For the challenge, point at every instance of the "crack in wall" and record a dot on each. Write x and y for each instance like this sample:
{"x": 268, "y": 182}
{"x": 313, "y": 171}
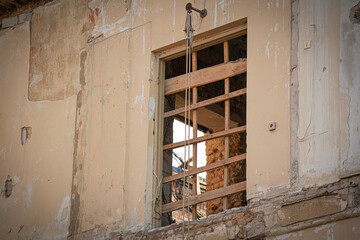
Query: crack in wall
{"x": 78, "y": 157}
{"x": 344, "y": 163}
{"x": 294, "y": 95}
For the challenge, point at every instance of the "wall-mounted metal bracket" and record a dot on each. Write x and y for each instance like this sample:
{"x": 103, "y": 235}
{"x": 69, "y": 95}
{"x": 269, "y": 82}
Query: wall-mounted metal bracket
{"x": 189, "y": 7}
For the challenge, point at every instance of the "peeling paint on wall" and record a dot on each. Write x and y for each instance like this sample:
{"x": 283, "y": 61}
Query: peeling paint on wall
{"x": 54, "y": 58}
{"x": 28, "y": 194}
{"x": 151, "y": 107}
{"x": 41, "y": 169}
{"x": 91, "y": 68}
{"x": 349, "y": 90}
{"x": 62, "y": 215}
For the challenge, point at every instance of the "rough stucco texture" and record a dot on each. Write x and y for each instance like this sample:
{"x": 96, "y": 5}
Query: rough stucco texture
{"x": 107, "y": 139}
{"x": 318, "y": 134}
{"x": 349, "y": 89}
{"x": 38, "y": 207}
{"x": 345, "y": 229}
{"x": 58, "y": 32}
{"x": 121, "y": 82}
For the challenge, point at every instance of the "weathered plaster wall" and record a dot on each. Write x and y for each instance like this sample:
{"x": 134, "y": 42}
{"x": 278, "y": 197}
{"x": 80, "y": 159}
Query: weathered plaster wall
{"x": 318, "y": 133}
{"x": 101, "y": 78}
{"x": 328, "y": 104}
{"x": 345, "y": 229}
{"x": 41, "y": 169}
{"x": 149, "y": 25}
{"x": 86, "y": 81}
{"x": 106, "y": 144}
{"x": 268, "y": 80}
{"x": 349, "y": 90}
{"x": 327, "y": 212}
{"x": 58, "y": 31}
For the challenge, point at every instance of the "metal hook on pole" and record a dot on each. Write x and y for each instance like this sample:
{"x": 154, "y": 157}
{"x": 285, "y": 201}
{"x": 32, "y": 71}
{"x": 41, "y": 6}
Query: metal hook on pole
{"x": 203, "y": 12}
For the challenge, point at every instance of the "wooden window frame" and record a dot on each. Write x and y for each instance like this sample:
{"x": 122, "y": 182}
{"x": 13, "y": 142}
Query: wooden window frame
{"x": 176, "y": 84}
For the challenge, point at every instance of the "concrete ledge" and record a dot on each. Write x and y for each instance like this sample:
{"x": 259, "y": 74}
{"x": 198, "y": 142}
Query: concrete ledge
{"x": 269, "y": 218}
{"x": 311, "y": 209}
{"x": 24, "y": 17}
{"x": 9, "y": 22}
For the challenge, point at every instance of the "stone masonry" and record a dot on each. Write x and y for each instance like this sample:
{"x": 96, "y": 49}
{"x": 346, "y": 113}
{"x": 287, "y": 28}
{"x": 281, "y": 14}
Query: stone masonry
{"x": 269, "y": 217}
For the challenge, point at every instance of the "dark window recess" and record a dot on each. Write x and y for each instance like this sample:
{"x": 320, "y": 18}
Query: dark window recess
{"x": 211, "y": 119}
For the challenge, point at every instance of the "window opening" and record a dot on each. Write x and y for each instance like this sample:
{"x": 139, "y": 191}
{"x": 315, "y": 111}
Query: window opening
{"x": 215, "y": 172}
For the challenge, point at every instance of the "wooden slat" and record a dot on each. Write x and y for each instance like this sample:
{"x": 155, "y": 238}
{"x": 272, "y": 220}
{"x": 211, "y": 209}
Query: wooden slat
{"x": 195, "y": 128}
{"x": 227, "y": 123}
{"x": 214, "y": 165}
{"x": 205, "y": 138}
{"x": 205, "y": 76}
{"x": 218, "y": 193}
{"x": 204, "y": 40}
{"x": 206, "y": 102}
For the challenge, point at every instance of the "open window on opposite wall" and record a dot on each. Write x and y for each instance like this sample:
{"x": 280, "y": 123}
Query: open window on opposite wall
{"x": 211, "y": 176}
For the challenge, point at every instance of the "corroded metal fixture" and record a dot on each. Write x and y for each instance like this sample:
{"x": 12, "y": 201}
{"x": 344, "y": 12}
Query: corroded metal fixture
{"x": 189, "y": 7}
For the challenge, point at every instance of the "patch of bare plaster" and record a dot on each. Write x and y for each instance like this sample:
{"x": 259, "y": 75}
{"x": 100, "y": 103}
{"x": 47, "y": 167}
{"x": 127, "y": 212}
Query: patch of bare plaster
{"x": 108, "y": 17}
{"x": 55, "y": 45}
{"x": 349, "y": 89}
{"x": 294, "y": 95}
{"x": 62, "y": 215}
{"x": 83, "y": 56}
{"x": 28, "y": 194}
{"x": 133, "y": 218}
{"x": 78, "y": 154}
{"x": 355, "y": 14}
{"x": 151, "y": 107}
{"x": 345, "y": 129}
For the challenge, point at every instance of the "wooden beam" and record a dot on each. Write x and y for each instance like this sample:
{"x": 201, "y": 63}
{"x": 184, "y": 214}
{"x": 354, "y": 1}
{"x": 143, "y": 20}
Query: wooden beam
{"x": 211, "y": 166}
{"x": 204, "y": 40}
{"x": 204, "y": 197}
{"x": 206, "y": 137}
{"x": 205, "y": 76}
{"x": 195, "y": 128}
{"x": 227, "y": 123}
{"x": 207, "y": 102}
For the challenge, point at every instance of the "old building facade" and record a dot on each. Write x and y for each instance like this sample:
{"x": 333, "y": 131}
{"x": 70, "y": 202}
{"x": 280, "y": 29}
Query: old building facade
{"x": 82, "y": 107}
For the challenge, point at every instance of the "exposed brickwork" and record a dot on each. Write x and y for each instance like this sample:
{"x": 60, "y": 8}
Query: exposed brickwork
{"x": 215, "y": 178}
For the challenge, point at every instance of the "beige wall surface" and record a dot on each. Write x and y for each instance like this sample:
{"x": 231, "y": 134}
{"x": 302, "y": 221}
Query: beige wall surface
{"x": 141, "y": 27}
{"x": 349, "y": 90}
{"x": 318, "y": 134}
{"x": 58, "y": 32}
{"x": 39, "y": 205}
{"x": 345, "y": 229}
{"x": 268, "y": 79}
{"x": 328, "y": 92}
{"x": 107, "y": 130}
{"x": 86, "y": 81}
